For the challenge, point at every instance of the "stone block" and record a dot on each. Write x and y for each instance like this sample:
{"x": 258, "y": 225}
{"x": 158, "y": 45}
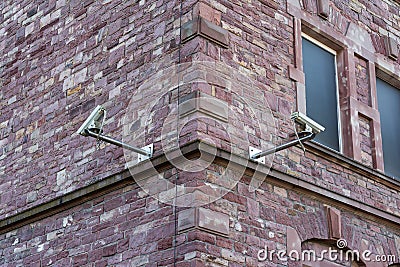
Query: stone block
{"x": 74, "y": 90}
{"x": 201, "y": 27}
{"x": 29, "y": 29}
{"x": 213, "y": 221}
{"x": 360, "y": 36}
{"x": 323, "y": 8}
{"x": 205, "y": 219}
{"x": 392, "y": 48}
{"x": 293, "y": 242}
{"x": 208, "y": 13}
{"x": 214, "y": 33}
{"x": 32, "y": 12}
{"x": 187, "y": 219}
{"x": 80, "y": 76}
{"x": 334, "y": 222}
{"x": 45, "y": 20}
{"x": 296, "y": 75}
{"x": 203, "y": 103}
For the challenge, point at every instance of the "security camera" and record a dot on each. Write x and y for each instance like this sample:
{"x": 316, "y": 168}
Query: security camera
{"x": 311, "y": 128}
{"x": 307, "y": 123}
{"x": 93, "y": 122}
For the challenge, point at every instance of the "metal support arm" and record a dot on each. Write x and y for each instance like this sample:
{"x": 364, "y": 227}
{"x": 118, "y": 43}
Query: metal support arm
{"x": 309, "y": 136}
{"x": 119, "y": 143}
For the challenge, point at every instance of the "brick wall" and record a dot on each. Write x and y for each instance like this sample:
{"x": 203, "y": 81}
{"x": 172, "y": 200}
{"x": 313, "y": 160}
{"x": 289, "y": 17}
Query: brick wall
{"x": 119, "y": 228}
{"x": 128, "y": 228}
{"x": 59, "y": 59}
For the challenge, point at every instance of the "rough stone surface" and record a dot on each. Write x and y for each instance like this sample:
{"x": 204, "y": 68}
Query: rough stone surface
{"x": 365, "y": 141}
{"x": 59, "y": 59}
{"x": 362, "y": 80}
{"x": 137, "y": 231}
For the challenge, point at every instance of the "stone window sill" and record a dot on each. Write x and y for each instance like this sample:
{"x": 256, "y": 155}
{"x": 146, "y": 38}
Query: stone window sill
{"x": 349, "y": 163}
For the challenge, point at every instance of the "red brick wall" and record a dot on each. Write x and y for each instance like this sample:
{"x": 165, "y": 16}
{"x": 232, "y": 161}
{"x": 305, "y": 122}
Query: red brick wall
{"x": 59, "y": 59}
{"x": 127, "y": 228}
{"x": 362, "y": 81}
{"x": 119, "y": 228}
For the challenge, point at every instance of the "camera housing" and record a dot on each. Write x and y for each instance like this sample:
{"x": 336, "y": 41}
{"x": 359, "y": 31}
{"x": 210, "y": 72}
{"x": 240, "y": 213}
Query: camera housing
{"x": 93, "y": 122}
{"x": 308, "y": 124}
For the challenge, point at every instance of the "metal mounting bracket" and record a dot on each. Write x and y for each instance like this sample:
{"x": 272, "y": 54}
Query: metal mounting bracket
{"x": 149, "y": 149}
{"x": 253, "y": 151}
{"x": 144, "y": 153}
{"x": 256, "y": 154}
{"x": 93, "y": 127}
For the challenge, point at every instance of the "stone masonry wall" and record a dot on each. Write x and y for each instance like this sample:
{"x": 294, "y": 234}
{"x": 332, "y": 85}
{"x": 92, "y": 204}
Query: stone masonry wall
{"x": 75, "y": 55}
{"x": 128, "y": 228}
{"x": 59, "y": 59}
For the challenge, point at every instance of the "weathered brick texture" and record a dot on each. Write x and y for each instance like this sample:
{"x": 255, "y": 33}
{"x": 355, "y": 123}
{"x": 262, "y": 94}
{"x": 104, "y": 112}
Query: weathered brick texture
{"x": 365, "y": 141}
{"x": 73, "y": 56}
{"x": 362, "y": 81}
{"x": 126, "y": 228}
{"x": 59, "y": 59}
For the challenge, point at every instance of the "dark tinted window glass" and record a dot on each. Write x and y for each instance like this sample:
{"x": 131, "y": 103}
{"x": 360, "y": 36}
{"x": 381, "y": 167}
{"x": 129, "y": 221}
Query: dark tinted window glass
{"x": 389, "y": 108}
{"x": 321, "y": 92}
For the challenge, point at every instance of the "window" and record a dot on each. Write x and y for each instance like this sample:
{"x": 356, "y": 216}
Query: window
{"x": 319, "y": 65}
{"x": 389, "y": 109}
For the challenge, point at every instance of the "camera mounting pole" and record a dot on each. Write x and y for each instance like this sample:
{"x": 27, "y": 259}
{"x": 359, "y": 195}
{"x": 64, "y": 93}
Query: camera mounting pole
{"x": 256, "y": 155}
{"x": 93, "y": 127}
{"x": 145, "y": 151}
{"x": 311, "y": 128}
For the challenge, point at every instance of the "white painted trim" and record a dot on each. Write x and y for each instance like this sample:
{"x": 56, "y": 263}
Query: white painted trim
{"x": 333, "y": 52}
{"x": 327, "y": 48}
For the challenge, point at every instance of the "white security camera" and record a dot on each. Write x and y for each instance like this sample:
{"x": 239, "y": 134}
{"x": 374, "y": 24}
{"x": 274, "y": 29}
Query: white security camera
{"x": 310, "y": 129}
{"x": 93, "y": 125}
{"x": 93, "y": 122}
{"x": 308, "y": 124}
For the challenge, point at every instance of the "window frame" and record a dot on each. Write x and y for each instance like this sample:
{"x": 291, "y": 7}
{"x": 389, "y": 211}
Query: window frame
{"x": 350, "y": 107}
{"x": 338, "y": 110}
{"x": 395, "y": 83}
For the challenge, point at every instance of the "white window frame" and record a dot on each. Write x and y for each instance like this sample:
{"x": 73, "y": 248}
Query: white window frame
{"x": 339, "y": 126}
{"x": 396, "y": 87}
